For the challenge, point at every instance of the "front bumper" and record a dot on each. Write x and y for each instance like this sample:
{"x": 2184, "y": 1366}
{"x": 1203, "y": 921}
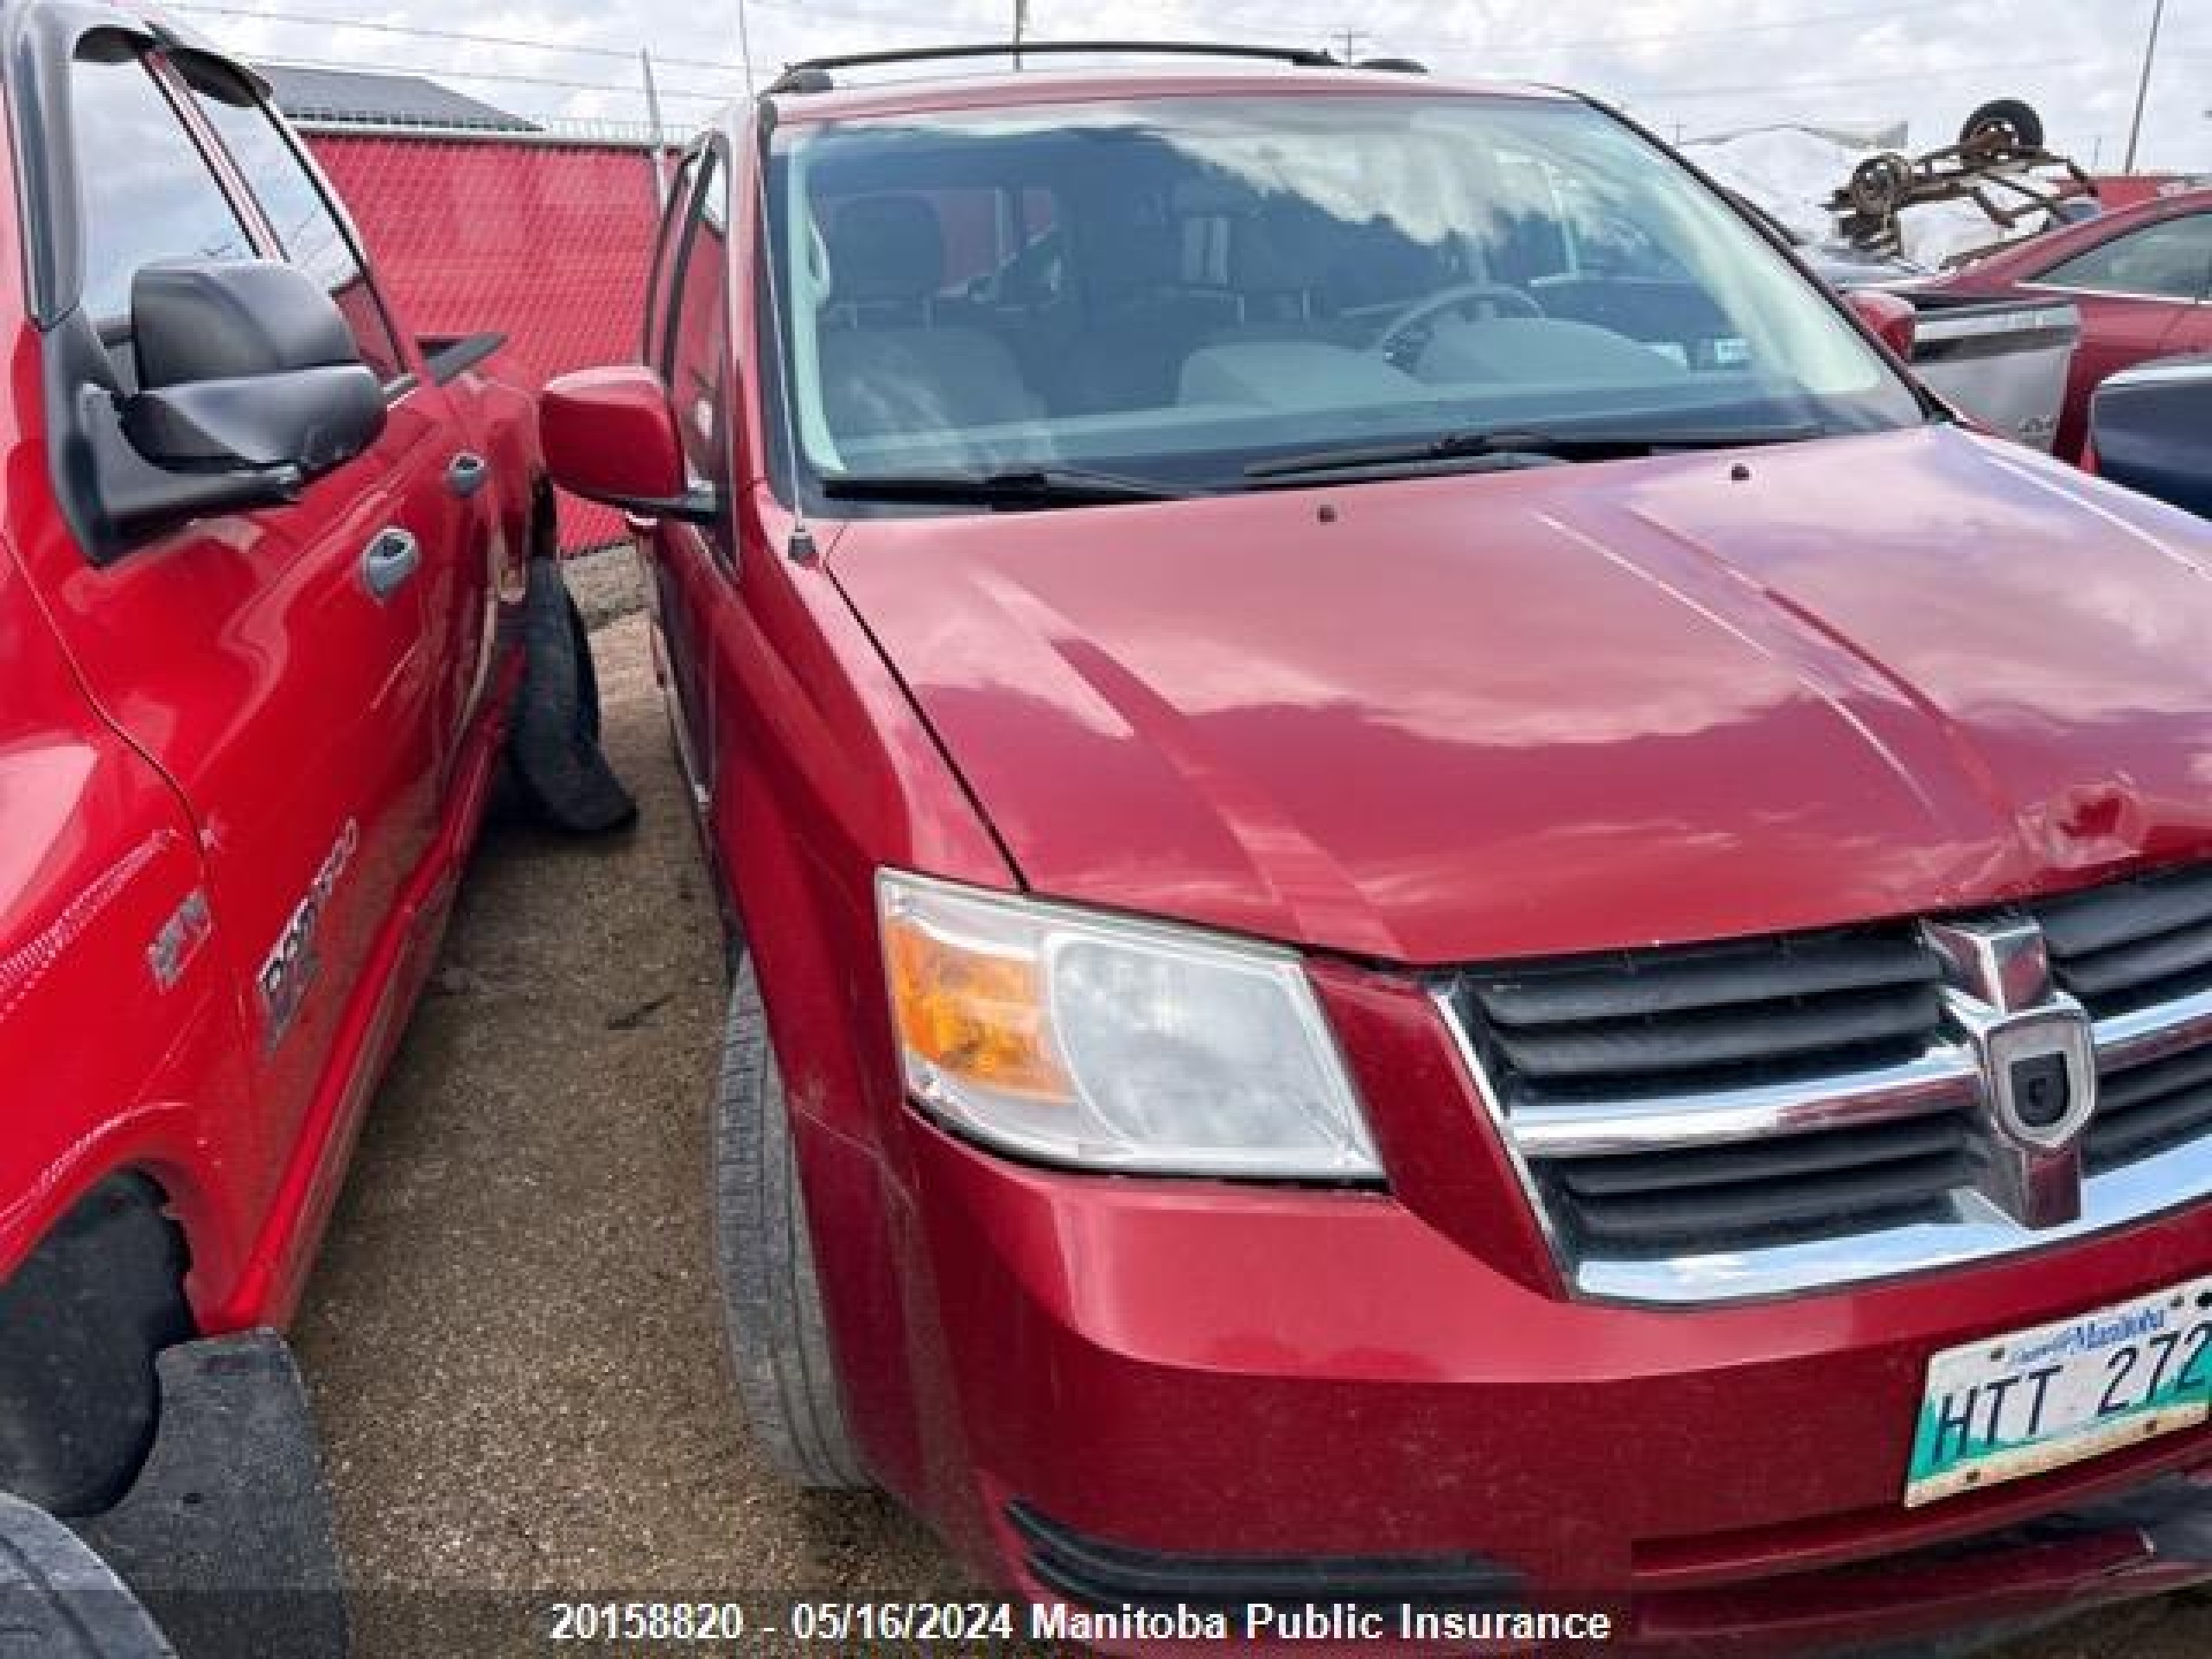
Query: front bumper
{"x": 1182, "y": 1371}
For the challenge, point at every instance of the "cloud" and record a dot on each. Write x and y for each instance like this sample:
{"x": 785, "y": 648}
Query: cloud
{"x": 1685, "y": 66}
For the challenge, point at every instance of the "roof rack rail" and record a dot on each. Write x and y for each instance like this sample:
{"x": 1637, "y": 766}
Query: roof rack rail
{"x": 813, "y": 74}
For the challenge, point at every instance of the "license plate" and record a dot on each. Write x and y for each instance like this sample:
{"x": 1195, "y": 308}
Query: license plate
{"x": 2016, "y": 1405}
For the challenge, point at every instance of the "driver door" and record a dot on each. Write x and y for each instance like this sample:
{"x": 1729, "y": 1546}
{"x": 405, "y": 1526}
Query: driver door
{"x": 269, "y": 663}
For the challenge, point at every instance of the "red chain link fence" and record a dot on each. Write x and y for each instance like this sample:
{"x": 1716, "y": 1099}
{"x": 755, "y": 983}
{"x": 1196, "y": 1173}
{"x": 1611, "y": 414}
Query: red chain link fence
{"x": 546, "y": 238}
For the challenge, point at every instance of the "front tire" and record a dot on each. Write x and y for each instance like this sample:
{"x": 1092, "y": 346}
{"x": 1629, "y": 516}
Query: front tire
{"x": 58, "y": 1600}
{"x": 772, "y": 1301}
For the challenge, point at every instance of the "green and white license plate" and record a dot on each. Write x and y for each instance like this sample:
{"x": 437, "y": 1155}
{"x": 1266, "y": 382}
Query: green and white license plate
{"x": 2016, "y": 1405}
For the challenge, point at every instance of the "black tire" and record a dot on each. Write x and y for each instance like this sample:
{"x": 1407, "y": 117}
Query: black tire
{"x": 58, "y": 1600}
{"x": 558, "y": 765}
{"x": 772, "y": 1302}
{"x": 2002, "y": 126}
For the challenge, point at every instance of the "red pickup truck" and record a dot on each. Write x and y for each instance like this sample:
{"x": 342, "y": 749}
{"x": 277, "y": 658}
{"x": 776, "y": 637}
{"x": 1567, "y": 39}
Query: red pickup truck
{"x": 1456, "y": 927}
{"x": 278, "y": 593}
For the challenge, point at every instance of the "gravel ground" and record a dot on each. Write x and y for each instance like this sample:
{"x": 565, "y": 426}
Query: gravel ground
{"x": 512, "y": 1340}
{"x": 606, "y": 585}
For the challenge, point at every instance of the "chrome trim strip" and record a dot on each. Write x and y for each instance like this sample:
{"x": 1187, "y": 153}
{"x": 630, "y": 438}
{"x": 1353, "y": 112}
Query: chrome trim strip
{"x": 2152, "y": 1033}
{"x": 2135, "y": 294}
{"x": 1942, "y": 1079}
{"x": 2050, "y": 317}
{"x": 1976, "y": 1231}
{"x": 2006, "y": 967}
{"x": 1478, "y": 1080}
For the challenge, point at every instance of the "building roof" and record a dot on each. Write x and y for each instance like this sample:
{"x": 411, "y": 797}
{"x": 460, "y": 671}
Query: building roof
{"x": 371, "y": 98}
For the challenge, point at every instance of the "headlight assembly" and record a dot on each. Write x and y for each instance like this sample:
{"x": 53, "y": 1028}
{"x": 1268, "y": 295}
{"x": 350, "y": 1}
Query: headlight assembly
{"x": 1082, "y": 1038}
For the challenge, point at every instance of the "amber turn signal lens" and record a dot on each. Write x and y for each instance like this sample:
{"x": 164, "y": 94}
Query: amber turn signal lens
{"x": 975, "y": 1014}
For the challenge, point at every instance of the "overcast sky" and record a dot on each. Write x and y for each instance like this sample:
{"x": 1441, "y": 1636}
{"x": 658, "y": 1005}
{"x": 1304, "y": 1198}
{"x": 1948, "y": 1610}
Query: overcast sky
{"x": 1693, "y": 67}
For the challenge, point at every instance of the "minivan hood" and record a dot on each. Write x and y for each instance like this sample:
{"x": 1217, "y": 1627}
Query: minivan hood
{"x": 1571, "y": 708}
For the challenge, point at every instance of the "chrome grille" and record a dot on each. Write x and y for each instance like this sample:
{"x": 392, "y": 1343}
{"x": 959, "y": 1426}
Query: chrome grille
{"x": 2138, "y": 944}
{"x": 2142, "y": 1109}
{"x": 1763, "y": 1191}
{"x": 1697, "y": 1123}
{"x": 1585, "y": 1052}
{"x": 1664, "y": 1020}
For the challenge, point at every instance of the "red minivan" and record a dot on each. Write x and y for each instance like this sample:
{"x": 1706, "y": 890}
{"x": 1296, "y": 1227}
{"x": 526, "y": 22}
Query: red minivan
{"x": 1447, "y": 924}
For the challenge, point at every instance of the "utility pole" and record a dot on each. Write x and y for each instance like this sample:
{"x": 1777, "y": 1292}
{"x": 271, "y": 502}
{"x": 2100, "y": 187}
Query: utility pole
{"x": 1020, "y": 27}
{"x": 2143, "y": 86}
{"x": 745, "y": 45}
{"x": 1352, "y": 38}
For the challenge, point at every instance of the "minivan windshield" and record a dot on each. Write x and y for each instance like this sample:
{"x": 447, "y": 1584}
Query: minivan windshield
{"x": 1191, "y": 292}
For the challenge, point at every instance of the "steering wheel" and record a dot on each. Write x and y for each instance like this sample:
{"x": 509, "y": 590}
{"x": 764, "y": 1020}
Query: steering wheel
{"x": 1407, "y": 330}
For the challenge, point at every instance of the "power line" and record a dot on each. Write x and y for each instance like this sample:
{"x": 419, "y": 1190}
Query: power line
{"x": 1807, "y": 20}
{"x": 627, "y": 88}
{"x": 1672, "y": 94}
{"x": 848, "y": 15}
{"x": 1458, "y": 46}
{"x": 1750, "y": 89}
{"x": 212, "y": 7}
{"x": 421, "y": 31}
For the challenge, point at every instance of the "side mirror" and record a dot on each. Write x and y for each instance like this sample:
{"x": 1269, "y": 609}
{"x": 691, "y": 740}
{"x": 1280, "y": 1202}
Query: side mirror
{"x": 1891, "y": 317}
{"x": 246, "y": 369}
{"x": 2151, "y": 429}
{"x": 609, "y": 435}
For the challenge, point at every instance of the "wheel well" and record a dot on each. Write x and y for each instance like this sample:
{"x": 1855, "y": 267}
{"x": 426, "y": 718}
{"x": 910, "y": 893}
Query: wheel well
{"x": 81, "y": 1322}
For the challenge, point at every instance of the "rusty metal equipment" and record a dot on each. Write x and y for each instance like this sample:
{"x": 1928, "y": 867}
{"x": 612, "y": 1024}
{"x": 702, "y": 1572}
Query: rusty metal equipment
{"x": 2000, "y": 164}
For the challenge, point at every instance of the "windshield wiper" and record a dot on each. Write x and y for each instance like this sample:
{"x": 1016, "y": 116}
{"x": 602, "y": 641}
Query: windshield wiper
{"x": 1022, "y": 487}
{"x": 1509, "y": 445}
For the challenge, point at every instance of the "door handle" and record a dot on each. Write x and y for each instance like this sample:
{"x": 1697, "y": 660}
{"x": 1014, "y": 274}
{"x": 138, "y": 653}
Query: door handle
{"x": 388, "y": 560}
{"x": 466, "y": 473}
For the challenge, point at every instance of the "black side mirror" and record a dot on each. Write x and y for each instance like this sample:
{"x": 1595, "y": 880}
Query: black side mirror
{"x": 247, "y": 368}
{"x": 2151, "y": 429}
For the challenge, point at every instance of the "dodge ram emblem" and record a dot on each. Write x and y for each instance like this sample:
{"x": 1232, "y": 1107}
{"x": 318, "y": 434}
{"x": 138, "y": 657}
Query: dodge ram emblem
{"x": 291, "y": 963}
{"x": 2036, "y": 1051}
{"x": 2040, "y": 1074}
